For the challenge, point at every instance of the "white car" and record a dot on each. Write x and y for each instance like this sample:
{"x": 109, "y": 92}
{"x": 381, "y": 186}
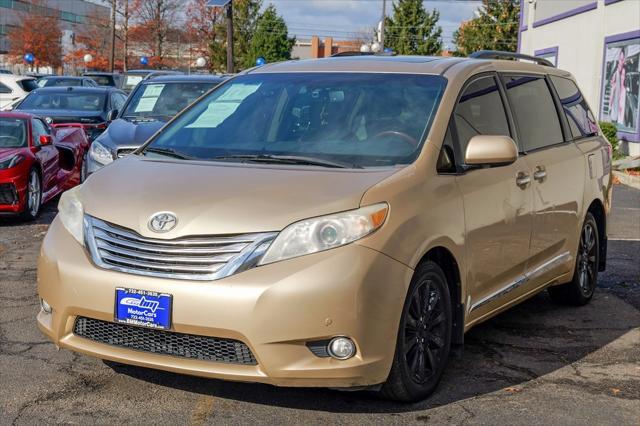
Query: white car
{"x": 14, "y": 88}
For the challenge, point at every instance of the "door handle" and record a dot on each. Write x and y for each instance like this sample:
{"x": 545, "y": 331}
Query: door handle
{"x": 540, "y": 174}
{"x": 523, "y": 179}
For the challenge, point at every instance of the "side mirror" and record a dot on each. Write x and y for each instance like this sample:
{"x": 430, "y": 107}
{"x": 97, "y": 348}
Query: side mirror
{"x": 486, "y": 150}
{"x": 111, "y": 115}
{"x": 45, "y": 140}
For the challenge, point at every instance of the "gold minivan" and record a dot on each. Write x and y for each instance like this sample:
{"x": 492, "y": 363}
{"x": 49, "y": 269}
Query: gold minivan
{"x": 338, "y": 222}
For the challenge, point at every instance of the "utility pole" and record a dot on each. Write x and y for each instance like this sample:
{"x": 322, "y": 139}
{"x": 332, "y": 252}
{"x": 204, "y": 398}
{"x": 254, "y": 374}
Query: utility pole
{"x": 230, "y": 38}
{"x": 112, "y": 56}
{"x": 384, "y": 18}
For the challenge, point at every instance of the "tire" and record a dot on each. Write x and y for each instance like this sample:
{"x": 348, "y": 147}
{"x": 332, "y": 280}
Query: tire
{"x": 580, "y": 290}
{"x": 424, "y": 337}
{"x": 34, "y": 196}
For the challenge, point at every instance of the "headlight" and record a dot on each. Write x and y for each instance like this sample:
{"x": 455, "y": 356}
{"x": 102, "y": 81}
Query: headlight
{"x": 325, "y": 232}
{"x": 71, "y": 214}
{"x": 10, "y": 162}
{"x": 100, "y": 154}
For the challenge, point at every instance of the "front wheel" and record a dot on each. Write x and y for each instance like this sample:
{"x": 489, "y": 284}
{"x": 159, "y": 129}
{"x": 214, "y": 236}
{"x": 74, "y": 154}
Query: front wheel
{"x": 34, "y": 196}
{"x": 424, "y": 337}
{"x": 580, "y": 290}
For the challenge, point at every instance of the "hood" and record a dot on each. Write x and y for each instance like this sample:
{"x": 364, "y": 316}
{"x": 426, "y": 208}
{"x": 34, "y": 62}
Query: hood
{"x": 129, "y": 133}
{"x": 67, "y": 116}
{"x": 218, "y": 198}
{"x": 10, "y": 152}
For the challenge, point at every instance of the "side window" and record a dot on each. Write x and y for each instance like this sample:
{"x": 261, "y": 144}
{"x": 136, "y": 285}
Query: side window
{"x": 580, "y": 118}
{"x": 534, "y": 111}
{"x": 39, "y": 129}
{"x": 4, "y": 89}
{"x": 480, "y": 111}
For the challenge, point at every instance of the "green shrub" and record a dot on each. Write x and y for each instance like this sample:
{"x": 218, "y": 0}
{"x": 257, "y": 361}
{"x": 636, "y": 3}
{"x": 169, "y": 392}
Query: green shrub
{"x": 610, "y": 131}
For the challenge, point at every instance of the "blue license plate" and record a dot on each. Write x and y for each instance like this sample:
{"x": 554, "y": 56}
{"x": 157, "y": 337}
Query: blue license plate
{"x": 144, "y": 308}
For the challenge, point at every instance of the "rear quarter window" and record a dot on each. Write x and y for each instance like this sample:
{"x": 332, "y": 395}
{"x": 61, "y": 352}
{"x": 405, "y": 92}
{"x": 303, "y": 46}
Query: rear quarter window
{"x": 581, "y": 121}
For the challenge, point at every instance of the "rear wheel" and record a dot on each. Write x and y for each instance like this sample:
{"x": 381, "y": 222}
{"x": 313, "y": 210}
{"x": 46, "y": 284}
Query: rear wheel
{"x": 34, "y": 196}
{"x": 424, "y": 337}
{"x": 585, "y": 278}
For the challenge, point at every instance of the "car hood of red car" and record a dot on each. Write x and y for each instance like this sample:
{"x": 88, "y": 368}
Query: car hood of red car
{"x": 10, "y": 152}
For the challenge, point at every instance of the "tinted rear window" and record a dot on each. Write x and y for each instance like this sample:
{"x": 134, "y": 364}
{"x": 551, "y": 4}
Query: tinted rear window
{"x": 64, "y": 101}
{"x": 102, "y": 80}
{"x": 581, "y": 121}
{"x": 28, "y": 85}
{"x": 51, "y": 82}
{"x": 534, "y": 111}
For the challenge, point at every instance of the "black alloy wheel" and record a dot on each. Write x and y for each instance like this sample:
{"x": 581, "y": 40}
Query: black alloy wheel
{"x": 580, "y": 290}
{"x": 424, "y": 337}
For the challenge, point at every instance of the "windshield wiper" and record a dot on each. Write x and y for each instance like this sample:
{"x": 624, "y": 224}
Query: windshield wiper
{"x": 169, "y": 152}
{"x": 288, "y": 159}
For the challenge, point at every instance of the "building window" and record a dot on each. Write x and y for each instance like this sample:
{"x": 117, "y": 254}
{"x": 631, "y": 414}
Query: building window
{"x": 621, "y": 83}
{"x": 550, "y": 54}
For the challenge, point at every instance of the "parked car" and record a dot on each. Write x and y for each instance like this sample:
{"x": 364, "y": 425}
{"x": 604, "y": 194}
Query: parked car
{"x": 148, "y": 108}
{"x": 106, "y": 78}
{"x": 65, "y": 80}
{"x": 92, "y": 107}
{"x": 37, "y": 162}
{"x": 14, "y": 87}
{"x": 338, "y": 222}
{"x": 4, "y": 71}
{"x": 133, "y": 77}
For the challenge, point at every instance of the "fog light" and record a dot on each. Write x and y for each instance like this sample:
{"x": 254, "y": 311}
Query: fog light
{"x": 341, "y": 348}
{"x": 45, "y": 306}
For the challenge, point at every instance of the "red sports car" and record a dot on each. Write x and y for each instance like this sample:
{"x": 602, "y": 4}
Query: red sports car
{"x": 37, "y": 162}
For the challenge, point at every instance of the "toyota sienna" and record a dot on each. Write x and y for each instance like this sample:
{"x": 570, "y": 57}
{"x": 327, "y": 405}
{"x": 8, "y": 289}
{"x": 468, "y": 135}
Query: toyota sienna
{"x": 337, "y": 223}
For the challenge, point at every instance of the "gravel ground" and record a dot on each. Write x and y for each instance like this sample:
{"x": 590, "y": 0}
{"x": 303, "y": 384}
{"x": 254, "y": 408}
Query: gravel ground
{"x": 537, "y": 363}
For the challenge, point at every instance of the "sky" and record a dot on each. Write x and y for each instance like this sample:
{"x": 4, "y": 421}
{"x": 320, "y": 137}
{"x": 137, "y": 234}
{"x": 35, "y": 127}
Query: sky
{"x": 351, "y": 18}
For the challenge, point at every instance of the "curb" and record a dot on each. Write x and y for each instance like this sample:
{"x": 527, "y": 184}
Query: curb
{"x": 625, "y": 179}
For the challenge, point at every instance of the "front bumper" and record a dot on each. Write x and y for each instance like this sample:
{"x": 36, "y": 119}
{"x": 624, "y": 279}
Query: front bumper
{"x": 13, "y": 185}
{"x": 274, "y": 309}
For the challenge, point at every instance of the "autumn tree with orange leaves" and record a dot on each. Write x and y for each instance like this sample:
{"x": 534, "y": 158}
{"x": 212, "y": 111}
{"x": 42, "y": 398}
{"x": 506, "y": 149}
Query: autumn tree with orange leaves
{"x": 39, "y": 35}
{"x": 154, "y": 25}
{"x": 203, "y": 24}
{"x": 94, "y": 40}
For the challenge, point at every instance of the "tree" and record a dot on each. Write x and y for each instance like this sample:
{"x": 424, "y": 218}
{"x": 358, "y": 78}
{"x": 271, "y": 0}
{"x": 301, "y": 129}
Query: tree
{"x": 245, "y": 16}
{"x": 39, "y": 35}
{"x": 94, "y": 39}
{"x": 495, "y": 28}
{"x": 412, "y": 30}
{"x": 270, "y": 40}
{"x": 203, "y": 25}
{"x": 154, "y": 19}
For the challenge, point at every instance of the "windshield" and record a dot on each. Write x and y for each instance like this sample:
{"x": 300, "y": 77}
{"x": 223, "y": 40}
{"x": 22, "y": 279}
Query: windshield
{"x": 358, "y": 119}
{"x": 132, "y": 80}
{"x": 164, "y": 99}
{"x": 13, "y": 133}
{"x": 93, "y": 102}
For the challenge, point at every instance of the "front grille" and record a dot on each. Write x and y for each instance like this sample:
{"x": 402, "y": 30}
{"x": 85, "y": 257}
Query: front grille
{"x": 190, "y": 258}
{"x": 165, "y": 342}
{"x": 124, "y": 152}
{"x": 8, "y": 194}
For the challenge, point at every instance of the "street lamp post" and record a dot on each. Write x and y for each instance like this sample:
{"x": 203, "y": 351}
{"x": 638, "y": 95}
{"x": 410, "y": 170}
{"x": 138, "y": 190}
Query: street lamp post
{"x": 229, "y": 5}
{"x": 87, "y": 58}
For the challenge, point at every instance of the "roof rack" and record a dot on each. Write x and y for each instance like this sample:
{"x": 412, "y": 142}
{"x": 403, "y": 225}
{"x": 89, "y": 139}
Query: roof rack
{"x": 358, "y": 53}
{"x": 497, "y": 54}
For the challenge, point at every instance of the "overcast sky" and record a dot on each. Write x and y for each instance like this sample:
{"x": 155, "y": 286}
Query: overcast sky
{"x": 348, "y": 18}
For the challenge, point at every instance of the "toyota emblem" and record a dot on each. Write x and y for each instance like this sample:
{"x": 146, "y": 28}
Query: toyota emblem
{"x": 163, "y": 222}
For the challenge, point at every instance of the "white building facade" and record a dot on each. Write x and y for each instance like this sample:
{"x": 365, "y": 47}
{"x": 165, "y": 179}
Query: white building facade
{"x": 598, "y": 41}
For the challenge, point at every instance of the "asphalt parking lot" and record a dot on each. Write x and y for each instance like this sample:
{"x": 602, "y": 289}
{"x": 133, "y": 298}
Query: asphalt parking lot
{"x": 537, "y": 363}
